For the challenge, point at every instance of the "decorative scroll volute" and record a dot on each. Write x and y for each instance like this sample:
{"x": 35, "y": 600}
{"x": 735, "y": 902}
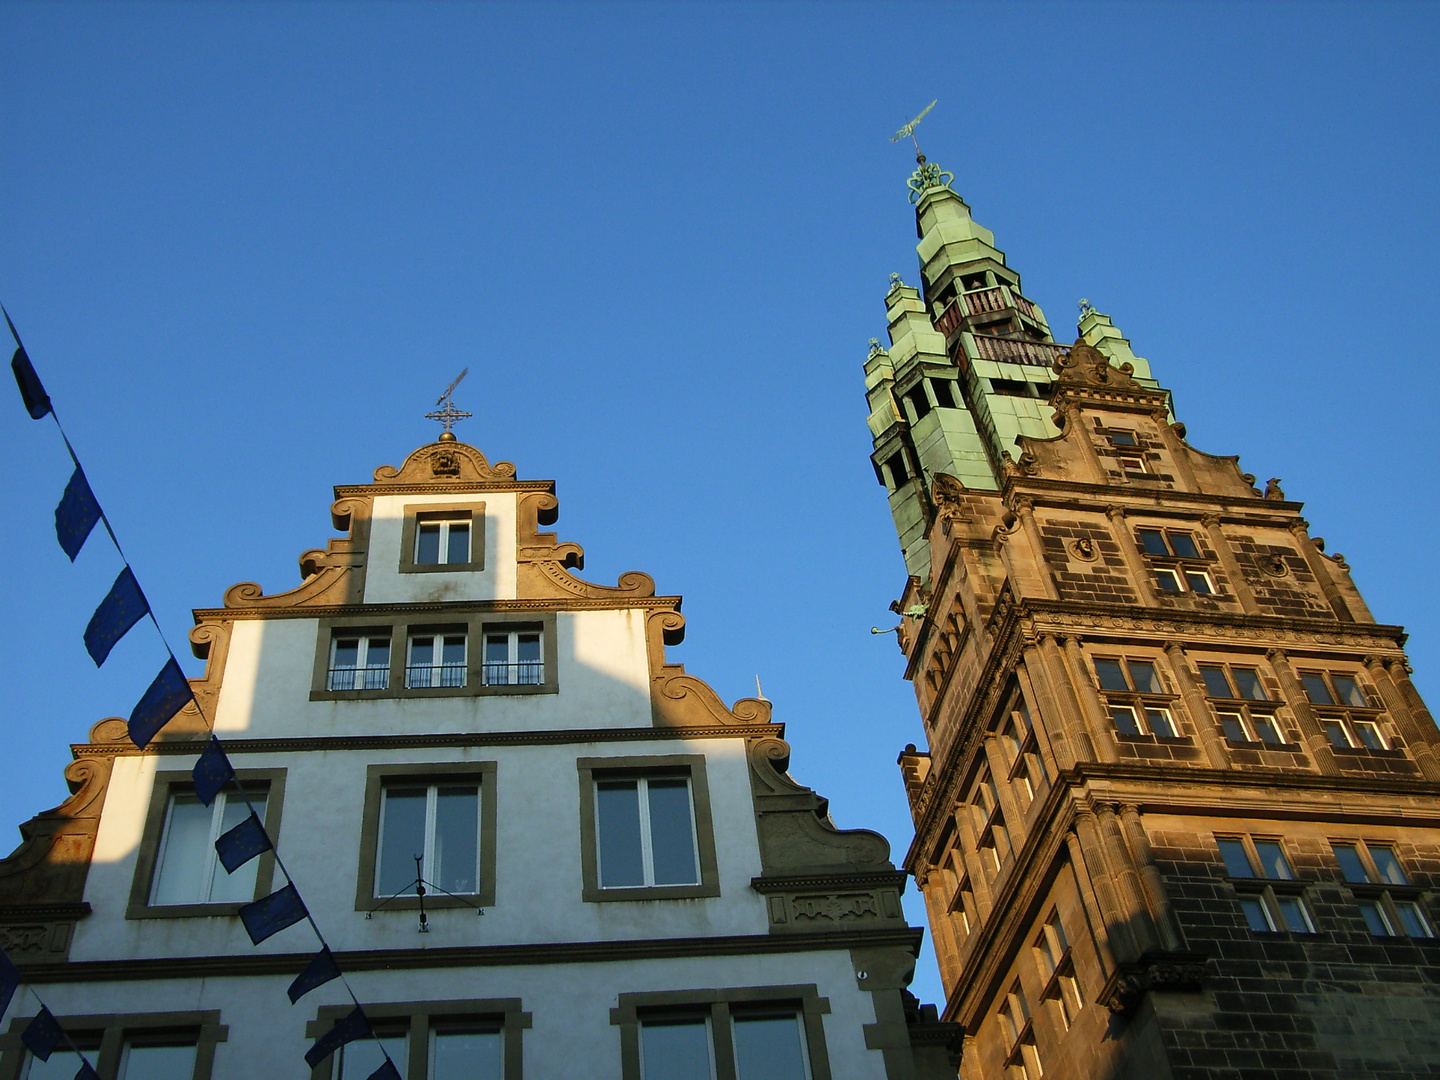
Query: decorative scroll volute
{"x": 53, "y": 859}
{"x": 542, "y": 570}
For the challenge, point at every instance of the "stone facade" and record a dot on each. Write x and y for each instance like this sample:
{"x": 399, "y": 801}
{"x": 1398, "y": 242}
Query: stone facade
{"x": 1179, "y": 811}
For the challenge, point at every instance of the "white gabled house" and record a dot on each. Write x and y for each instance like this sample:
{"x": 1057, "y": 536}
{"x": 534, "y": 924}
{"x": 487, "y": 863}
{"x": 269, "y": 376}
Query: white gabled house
{"x": 621, "y": 879}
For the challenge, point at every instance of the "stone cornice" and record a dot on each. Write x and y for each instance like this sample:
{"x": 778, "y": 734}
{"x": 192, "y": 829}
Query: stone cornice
{"x": 1143, "y": 498}
{"x": 441, "y": 487}
{"x": 889, "y": 878}
{"x": 566, "y": 952}
{"x": 335, "y": 611}
{"x": 564, "y": 736}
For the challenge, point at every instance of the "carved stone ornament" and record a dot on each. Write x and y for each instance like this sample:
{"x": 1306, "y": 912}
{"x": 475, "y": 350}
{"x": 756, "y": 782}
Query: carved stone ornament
{"x": 1274, "y": 565}
{"x": 1272, "y": 489}
{"x": 444, "y": 461}
{"x": 1164, "y": 971}
{"x": 1086, "y": 365}
{"x": 946, "y": 490}
{"x": 1084, "y": 549}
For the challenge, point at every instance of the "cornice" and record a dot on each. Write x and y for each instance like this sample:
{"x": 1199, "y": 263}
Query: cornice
{"x": 440, "y": 487}
{"x": 567, "y": 952}
{"x": 1143, "y": 496}
{"x": 456, "y": 606}
{"x": 864, "y": 879}
{"x": 302, "y": 744}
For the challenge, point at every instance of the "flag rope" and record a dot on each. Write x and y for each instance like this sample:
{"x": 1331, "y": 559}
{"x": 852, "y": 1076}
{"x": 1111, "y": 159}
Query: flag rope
{"x": 33, "y": 393}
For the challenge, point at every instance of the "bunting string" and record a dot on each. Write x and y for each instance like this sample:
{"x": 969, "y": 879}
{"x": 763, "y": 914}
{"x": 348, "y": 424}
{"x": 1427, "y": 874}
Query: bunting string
{"x": 118, "y": 613}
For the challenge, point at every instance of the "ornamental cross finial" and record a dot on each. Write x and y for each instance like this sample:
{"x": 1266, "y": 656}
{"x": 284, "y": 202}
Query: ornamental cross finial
{"x": 927, "y": 175}
{"x": 447, "y": 413}
{"x": 909, "y": 131}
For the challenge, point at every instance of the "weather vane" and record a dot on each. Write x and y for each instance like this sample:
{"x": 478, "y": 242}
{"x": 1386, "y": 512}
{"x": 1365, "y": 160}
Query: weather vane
{"x": 447, "y": 413}
{"x": 909, "y": 130}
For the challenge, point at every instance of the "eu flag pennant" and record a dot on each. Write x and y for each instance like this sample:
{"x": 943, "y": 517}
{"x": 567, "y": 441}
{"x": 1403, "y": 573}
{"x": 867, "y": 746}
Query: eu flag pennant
{"x": 37, "y": 402}
{"x": 386, "y": 1071}
{"x": 76, "y": 515}
{"x": 168, "y": 694}
{"x": 271, "y": 914}
{"x": 212, "y": 772}
{"x": 352, "y": 1027}
{"x": 319, "y": 971}
{"x": 85, "y": 1072}
{"x": 118, "y": 612}
{"x": 10, "y": 981}
{"x": 41, "y": 1034}
{"x": 242, "y": 843}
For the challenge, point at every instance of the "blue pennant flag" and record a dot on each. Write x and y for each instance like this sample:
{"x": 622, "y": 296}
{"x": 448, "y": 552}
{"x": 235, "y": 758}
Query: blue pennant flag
{"x": 242, "y": 843}
{"x": 352, "y": 1027}
{"x": 121, "y": 609}
{"x": 168, "y": 694}
{"x": 212, "y": 772}
{"x": 85, "y": 1072}
{"x": 386, "y": 1071}
{"x": 271, "y": 914}
{"x": 37, "y": 402}
{"x": 10, "y": 981}
{"x": 41, "y": 1034}
{"x": 77, "y": 514}
{"x": 320, "y": 970}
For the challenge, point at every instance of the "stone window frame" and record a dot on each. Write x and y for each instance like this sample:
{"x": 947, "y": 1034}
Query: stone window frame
{"x": 402, "y": 627}
{"x": 716, "y": 1004}
{"x": 693, "y": 767}
{"x": 1385, "y": 895}
{"x": 506, "y": 1013}
{"x": 1140, "y": 700}
{"x": 1062, "y": 983}
{"x": 1178, "y": 565}
{"x": 1268, "y": 889}
{"x": 167, "y": 783}
{"x": 1244, "y": 709}
{"x": 414, "y": 511}
{"x": 988, "y": 816}
{"x": 112, "y": 1030}
{"x": 376, "y": 776}
{"x": 1022, "y": 749}
{"x": 1348, "y": 715}
{"x": 1020, "y": 1048}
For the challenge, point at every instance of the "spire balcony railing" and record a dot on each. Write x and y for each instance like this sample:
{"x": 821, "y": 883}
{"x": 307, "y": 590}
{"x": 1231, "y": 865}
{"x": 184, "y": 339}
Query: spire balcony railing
{"x": 950, "y": 319}
{"x": 982, "y": 300}
{"x": 1025, "y": 307}
{"x": 1009, "y": 351}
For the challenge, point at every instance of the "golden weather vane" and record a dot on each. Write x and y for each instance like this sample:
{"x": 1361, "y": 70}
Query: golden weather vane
{"x": 447, "y": 413}
{"x": 909, "y": 130}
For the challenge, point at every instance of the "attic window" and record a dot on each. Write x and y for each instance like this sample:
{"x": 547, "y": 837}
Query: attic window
{"x": 1123, "y": 438}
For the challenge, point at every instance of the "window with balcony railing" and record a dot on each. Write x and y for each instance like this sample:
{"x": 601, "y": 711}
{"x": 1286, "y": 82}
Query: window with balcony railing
{"x": 359, "y": 662}
{"x": 513, "y": 658}
{"x": 435, "y": 660}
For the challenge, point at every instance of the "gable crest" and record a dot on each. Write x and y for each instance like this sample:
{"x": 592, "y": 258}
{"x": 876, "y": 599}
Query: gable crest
{"x": 445, "y": 462}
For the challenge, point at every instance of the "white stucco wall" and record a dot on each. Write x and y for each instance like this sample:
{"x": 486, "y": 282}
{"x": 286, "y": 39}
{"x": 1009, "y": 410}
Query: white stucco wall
{"x": 384, "y": 584}
{"x": 571, "y": 1036}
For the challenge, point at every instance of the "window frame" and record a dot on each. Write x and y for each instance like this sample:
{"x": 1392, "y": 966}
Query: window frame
{"x": 507, "y": 1014}
{"x": 365, "y": 637}
{"x": 1388, "y": 896}
{"x": 512, "y": 632}
{"x": 591, "y": 769}
{"x": 1246, "y": 709}
{"x": 1178, "y": 567}
{"x": 114, "y": 1029}
{"x": 1021, "y": 1054}
{"x": 808, "y": 1005}
{"x": 1347, "y": 715}
{"x": 1021, "y": 747}
{"x": 440, "y": 634}
{"x": 409, "y": 531}
{"x": 1061, "y": 984}
{"x": 1140, "y": 702}
{"x": 1272, "y": 893}
{"x": 147, "y": 858}
{"x": 401, "y": 628}
{"x": 416, "y": 773}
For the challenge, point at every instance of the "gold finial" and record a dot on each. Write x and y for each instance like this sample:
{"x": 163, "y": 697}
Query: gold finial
{"x": 447, "y": 413}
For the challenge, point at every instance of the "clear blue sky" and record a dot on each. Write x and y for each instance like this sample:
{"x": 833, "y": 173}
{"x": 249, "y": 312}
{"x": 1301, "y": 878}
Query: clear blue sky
{"x": 248, "y": 244}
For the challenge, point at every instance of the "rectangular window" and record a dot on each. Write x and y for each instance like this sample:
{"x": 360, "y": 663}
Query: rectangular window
{"x": 1337, "y": 734}
{"x": 131, "y": 1046}
{"x": 442, "y": 538}
{"x": 1175, "y": 560}
{"x": 436, "y": 1040}
{"x": 676, "y": 1048}
{"x": 645, "y": 829}
{"x": 1168, "y": 580}
{"x": 736, "y": 1033}
{"x": 1132, "y": 689}
{"x": 187, "y": 870}
{"x": 1267, "y": 908}
{"x": 1265, "y": 728}
{"x": 438, "y": 822}
{"x": 1388, "y": 903}
{"x": 142, "y": 1059}
{"x": 646, "y": 832}
{"x": 1199, "y": 582}
{"x": 1344, "y": 711}
{"x": 513, "y": 658}
{"x": 1376, "y": 921}
{"x": 1257, "y": 914}
{"x": 1237, "y": 860}
{"x": 1273, "y": 863}
{"x": 436, "y": 660}
{"x": 360, "y": 661}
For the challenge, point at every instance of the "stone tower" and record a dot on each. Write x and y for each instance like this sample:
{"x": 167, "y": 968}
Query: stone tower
{"x": 1179, "y": 815}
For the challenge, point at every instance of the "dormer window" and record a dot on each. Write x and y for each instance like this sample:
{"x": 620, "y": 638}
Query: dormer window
{"x": 442, "y": 538}
{"x": 1123, "y": 438}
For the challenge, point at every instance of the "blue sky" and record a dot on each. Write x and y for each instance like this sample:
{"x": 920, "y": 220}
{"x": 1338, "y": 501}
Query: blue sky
{"x": 248, "y": 244}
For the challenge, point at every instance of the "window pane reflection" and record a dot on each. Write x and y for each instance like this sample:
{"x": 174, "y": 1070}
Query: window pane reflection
{"x": 675, "y": 1051}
